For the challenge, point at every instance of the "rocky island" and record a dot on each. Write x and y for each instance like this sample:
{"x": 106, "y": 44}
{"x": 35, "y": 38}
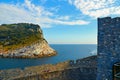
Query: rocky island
{"x": 23, "y": 40}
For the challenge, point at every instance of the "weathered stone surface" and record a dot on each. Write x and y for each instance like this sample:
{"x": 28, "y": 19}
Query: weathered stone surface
{"x": 108, "y": 46}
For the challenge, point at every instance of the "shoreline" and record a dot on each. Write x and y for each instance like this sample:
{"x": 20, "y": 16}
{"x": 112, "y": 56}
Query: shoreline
{"x": 55, "y": 71}
{"x": 27, "y": 57}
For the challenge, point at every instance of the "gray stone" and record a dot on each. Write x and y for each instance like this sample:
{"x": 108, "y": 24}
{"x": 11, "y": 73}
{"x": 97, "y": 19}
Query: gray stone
{"x": 108, "y": 46}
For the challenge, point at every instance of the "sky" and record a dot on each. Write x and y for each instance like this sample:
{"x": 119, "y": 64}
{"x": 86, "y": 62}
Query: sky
{"x": 62, "y": 21}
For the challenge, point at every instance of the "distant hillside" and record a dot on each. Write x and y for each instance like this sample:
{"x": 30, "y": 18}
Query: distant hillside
{"x": 16, "y": 36}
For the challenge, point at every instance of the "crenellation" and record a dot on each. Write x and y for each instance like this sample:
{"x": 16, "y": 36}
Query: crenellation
{"x": 116, "y": 20}
{"x": 84, "y": 61}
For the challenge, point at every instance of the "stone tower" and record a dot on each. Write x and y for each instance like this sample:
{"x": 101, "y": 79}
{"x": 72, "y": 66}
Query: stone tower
{"x": 108, "y": 46}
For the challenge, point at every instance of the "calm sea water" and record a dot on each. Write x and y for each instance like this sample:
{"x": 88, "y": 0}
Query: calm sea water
{"x": 65, "y": 52}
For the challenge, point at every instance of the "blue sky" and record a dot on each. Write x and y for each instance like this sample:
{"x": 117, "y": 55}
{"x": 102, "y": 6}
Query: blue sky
{"x": 62, "y": 21}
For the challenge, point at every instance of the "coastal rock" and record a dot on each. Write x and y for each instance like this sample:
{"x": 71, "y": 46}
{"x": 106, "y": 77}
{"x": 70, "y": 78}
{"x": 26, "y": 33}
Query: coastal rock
{"x": 23, "y": 40}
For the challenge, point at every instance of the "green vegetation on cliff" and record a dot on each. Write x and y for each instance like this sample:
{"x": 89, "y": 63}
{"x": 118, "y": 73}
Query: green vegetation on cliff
{"x": 13, "y": 36}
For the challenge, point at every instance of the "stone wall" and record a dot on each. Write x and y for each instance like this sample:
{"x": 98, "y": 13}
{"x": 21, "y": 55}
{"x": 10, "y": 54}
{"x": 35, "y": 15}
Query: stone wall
{"x": 82, "y": 69}
{"x": 108, "y": 46}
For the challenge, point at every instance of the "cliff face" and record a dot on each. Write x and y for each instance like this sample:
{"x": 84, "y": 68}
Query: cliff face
{"x": 23, "y": 40}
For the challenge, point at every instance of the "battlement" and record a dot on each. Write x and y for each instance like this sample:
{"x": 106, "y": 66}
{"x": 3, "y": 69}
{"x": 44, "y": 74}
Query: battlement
{"x": 107, "y": 23}
{"x": 88, "y": 61}
{"x": 109, "y": 19}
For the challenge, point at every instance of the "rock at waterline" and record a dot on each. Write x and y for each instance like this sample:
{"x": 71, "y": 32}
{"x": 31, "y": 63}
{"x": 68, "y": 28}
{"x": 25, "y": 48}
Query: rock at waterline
{"x": 23, "y": 40}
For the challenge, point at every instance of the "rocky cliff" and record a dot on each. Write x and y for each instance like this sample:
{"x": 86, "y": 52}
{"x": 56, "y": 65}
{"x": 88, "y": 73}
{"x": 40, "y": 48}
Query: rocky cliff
{"x": 23, "y": 40}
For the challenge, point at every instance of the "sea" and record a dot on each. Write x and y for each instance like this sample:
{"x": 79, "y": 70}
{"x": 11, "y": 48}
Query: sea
{"x": 64, "y": 52}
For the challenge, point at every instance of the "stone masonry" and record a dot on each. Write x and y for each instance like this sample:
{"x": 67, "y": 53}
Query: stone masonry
{"x": 108, "y": 46}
